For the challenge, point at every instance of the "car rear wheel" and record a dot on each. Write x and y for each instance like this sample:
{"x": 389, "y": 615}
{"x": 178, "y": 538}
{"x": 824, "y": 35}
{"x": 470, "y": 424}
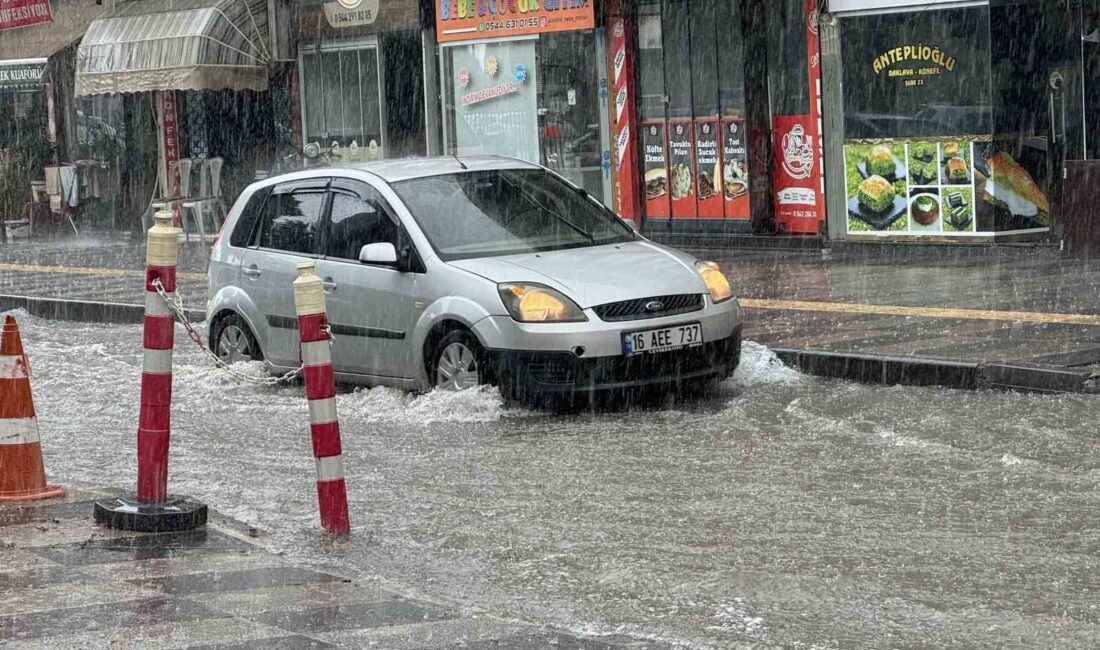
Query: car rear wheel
{"x": 234, "y": 341}
{"x": 457, "y": 362}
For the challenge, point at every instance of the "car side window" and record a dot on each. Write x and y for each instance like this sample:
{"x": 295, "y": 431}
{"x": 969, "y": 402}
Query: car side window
{"x": 359, "y": 216}
{"x": 291, "y": 220}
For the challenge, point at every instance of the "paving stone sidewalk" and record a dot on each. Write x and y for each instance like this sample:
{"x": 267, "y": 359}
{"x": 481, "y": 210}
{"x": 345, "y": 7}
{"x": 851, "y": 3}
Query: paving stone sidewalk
{"x": 66, "y": 583}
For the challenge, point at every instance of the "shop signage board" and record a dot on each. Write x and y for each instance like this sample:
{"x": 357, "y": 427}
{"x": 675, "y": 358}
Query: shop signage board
{"x": 681, "y": 165}
{"x": 464, "y": 20}
{"x": 22, "y": 74}
{"x": 796, "y": 175}
{"x": 849, "y": 6}
{"x": 655, "y": 160}
{"x": 735, "y": 169}
{"x": 937, "y": 187}
{"x": 23, "y": 13}
{"x": 708, "y": 169}
{"x": 351, "y": 13}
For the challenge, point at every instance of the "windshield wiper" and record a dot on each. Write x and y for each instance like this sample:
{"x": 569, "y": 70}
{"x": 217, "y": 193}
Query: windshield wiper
{"x": 527, "y": 195}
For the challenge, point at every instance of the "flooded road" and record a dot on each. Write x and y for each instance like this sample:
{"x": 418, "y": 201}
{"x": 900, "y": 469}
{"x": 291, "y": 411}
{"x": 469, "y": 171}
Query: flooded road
{"x": 779, "y": 511}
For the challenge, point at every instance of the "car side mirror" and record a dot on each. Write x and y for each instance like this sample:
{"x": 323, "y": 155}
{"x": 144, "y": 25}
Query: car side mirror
{"x": 381, "y": 253}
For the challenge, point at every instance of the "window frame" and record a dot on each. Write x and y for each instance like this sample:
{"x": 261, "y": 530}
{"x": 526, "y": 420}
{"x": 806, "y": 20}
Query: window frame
{"x": 307, "y": 185}
{"x": 317, "y": 48}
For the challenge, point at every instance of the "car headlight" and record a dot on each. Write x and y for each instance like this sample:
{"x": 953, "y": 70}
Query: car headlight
{"x": 536, "y": 303}
{"x": 717, "y": 284}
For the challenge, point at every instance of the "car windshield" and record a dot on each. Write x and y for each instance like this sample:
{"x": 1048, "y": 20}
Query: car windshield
{"x": 503, "y": 212}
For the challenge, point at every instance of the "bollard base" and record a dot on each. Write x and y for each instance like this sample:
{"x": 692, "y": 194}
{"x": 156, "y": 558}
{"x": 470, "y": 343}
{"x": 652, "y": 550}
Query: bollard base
{"x": 175, "y": 513}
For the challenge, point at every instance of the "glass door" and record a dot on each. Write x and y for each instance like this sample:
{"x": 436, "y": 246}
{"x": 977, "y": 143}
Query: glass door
{"x": 342, "y": 99}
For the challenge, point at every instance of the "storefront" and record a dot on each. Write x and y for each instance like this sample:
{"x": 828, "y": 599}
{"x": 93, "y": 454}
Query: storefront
{"x": 947, "y": 127}
{"x": 728, "y": 130}
{"x": 361, "y": 78}
{"x": 174, "y": 94}
{"x": 527, "y": 80}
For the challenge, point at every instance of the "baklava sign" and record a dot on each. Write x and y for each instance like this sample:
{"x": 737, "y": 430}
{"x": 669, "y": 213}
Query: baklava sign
{"x": 464, "y": 20}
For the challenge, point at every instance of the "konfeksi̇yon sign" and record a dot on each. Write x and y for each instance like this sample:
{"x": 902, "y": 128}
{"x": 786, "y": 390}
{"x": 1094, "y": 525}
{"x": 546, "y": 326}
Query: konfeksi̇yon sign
{"x": 22, "y": 13}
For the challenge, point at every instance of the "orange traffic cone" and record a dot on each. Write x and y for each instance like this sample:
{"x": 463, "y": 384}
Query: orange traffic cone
{"x": 22, "y": 476}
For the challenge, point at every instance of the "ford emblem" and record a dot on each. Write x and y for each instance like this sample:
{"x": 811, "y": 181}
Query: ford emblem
{"x": 654, "y": 305}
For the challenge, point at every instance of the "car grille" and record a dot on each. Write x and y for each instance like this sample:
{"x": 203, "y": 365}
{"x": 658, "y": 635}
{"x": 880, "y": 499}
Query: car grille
{"x": 636, "y": 309}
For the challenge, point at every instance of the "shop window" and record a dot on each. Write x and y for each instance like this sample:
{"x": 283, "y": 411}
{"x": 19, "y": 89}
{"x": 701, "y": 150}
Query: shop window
{"x": 787, "y": 63}
{"x": 921, "y": 153}
{"x": 535, "y": 98}
{"x": 341, "y": 101}
{"x": 692, "y": 89}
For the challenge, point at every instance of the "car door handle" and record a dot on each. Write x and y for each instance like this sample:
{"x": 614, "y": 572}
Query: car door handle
{"x": 252, "y": 272}
{"x": 327, "y": 285}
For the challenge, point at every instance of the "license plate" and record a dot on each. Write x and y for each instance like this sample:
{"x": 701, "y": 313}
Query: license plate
{"x": 662, "y": 339}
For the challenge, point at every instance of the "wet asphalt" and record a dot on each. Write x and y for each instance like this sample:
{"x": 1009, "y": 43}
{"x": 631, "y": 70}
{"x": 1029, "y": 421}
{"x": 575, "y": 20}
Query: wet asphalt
{"x": 778, "y": 511}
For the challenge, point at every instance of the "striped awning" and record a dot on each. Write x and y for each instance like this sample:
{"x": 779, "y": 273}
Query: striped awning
{"x": 144, "y": 45}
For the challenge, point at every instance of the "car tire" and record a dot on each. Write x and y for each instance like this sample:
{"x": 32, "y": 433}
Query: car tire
{"x": 232, "y": 340}
{"x": 456, "y": 362}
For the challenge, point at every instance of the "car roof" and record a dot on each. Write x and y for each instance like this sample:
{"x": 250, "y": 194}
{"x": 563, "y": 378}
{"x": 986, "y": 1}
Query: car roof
{"x": 401, "y": 169}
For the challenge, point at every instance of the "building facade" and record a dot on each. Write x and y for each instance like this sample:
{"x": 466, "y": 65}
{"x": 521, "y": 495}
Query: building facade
{"x": 879, "y": 120}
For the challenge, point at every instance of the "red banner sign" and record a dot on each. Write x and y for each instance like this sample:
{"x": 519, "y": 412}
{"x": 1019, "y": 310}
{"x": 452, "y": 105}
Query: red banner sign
{"x": 797, "y": 176}
{"x": 655, "y": 160}
{"x": 170, "y": 131}
{"x": 464, "y": 20}
{"x": 21, "y": 13}
{"x": 708, "y": 168}
{"x": 735, "y": 168}
{"x": 799, "y": 155}
{"x": 625, "y": 194}
{"x": 681, "y": 165}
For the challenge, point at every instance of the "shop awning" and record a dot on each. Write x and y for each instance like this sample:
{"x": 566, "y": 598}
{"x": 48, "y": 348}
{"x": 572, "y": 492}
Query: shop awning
{"x": 149, "y": 45}
{"x": 22, "y": 74}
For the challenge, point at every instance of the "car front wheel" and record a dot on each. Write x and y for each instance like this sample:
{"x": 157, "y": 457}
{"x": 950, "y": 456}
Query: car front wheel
{"x": 457, "y": 362}
{"x": 234, "y": 341}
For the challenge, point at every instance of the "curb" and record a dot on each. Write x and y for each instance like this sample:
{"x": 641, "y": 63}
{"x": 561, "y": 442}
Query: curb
{"x": 915, "y": 371}
{"x": 85, "y": 310}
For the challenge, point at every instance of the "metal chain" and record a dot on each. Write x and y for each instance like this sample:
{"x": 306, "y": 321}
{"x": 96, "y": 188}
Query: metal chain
{"x": 176, "y": 307}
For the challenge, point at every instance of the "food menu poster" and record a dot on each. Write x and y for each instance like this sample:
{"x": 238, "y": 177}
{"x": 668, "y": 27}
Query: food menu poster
{"x": 464, "y": 20}
{"x": 655, "y": 166}
{"x": 708, "y": 169}
{"x": 735, "y": 169}
{"x": 681, "y": 176}
{"x": 914, "y": 188}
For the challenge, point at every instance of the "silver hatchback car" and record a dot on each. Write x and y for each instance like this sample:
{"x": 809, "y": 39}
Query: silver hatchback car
{"x": 447, "y": 272}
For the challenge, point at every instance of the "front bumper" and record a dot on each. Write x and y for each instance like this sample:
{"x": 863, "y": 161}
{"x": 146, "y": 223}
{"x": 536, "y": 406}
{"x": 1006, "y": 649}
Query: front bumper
{"x": 528, "y": 373}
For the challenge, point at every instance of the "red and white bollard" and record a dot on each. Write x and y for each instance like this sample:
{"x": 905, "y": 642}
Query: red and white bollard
{"x": 152, "y": 509}
{"x": 332, "y": 498}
